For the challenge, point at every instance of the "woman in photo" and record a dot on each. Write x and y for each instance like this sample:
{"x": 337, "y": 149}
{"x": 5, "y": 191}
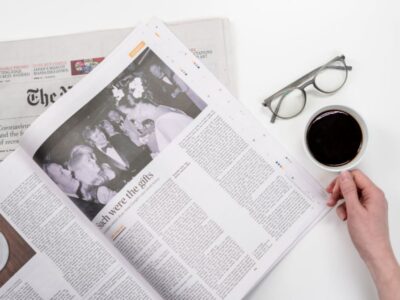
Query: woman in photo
{"x": 94, "y": 179}
{"x": 82, "y": 195}
{"x": 168, "y": 122}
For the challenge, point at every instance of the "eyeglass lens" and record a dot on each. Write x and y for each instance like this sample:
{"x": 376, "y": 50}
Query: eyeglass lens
{"x": 290, "y": 104}
{"x": 328, "y": 80}
{"x": 332, "y": 77}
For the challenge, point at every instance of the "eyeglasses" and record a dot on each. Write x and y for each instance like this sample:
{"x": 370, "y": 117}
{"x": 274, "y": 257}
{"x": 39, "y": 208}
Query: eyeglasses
{"x": 290, "y": 101}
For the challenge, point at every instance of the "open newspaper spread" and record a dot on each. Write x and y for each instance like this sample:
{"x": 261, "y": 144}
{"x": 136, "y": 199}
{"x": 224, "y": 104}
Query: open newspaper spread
{"x": 149, "y": 179}
{"x": 35, "y": 73}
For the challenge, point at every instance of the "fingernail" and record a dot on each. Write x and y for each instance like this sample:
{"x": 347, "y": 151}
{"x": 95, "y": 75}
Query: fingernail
{"x": 342, "y": 216}
{"x": 345, "y": 175}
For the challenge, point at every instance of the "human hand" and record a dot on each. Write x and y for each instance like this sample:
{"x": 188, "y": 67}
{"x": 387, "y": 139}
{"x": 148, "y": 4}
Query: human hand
{"x": 366, "y": 211}
{"x": 176, "y": 92}
{"x": 104, "y": 195}
{"x": 107, "y": 172}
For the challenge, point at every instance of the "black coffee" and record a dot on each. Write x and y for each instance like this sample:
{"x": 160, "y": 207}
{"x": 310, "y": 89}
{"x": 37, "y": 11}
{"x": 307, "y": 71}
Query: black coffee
{"x": 334, "y": 138}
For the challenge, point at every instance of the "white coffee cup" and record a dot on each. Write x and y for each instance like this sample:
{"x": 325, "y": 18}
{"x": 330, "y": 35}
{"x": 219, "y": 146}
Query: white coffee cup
{"x": 364, "y": 131}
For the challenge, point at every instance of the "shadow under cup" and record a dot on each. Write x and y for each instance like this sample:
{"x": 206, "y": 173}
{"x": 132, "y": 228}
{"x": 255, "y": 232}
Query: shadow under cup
{"x": 336, "y": 138}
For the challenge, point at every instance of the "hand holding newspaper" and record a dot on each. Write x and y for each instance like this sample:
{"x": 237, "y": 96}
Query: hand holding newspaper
{"x": 188, "y": 196}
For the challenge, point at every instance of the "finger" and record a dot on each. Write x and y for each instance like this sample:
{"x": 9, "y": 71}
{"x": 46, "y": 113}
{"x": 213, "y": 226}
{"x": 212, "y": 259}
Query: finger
{"x": 362, "y": 181}
{"x": 368, "y": 189}
{"x": 335, "y": 196}
{"x": 329, "y": 188}
{"x": 337, "y": 193}
{"x": 349, "y": 191}
{"x": 341, "y": 211}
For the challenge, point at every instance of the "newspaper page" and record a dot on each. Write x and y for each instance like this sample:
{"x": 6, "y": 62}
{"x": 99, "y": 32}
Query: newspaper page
{"x": 187, "y": 185}
{"x": 48, "y": 253}
{"x": 35, "y": 73}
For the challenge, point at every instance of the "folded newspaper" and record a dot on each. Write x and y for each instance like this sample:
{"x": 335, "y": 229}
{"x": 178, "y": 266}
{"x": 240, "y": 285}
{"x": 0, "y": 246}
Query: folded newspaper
{"x": 149, "y": 180}
{"x": 35, "y": 72}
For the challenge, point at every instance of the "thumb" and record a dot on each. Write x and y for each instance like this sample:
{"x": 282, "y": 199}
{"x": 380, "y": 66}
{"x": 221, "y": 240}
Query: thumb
{"x": 349, "y": 191}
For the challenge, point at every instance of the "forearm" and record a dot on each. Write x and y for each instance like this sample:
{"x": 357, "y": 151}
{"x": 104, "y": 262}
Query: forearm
{"x": 386, "y": 275}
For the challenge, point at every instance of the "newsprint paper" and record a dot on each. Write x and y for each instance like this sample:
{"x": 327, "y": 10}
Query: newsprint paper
{"x": 35, "y": 73}
{"x": 148, "y": 179}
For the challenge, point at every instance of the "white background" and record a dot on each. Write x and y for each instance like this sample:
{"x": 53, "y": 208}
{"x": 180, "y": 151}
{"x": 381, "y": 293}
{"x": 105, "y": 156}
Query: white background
{"x": 274, "y": 43}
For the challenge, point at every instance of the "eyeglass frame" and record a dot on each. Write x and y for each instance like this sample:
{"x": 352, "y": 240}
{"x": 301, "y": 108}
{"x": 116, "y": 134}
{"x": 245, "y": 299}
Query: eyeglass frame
{"x": 298, "y": 84}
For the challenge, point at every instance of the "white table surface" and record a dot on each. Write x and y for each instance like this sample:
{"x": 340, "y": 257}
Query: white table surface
{"x": 274, "y": 43}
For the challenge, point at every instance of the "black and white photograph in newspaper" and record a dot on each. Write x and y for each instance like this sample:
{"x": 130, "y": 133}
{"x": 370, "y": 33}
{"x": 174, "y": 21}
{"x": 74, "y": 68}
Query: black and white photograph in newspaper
{"x": 98, "y": 150}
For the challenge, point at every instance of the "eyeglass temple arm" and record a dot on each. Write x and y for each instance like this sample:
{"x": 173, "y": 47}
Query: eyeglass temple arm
{"x": 275, "y": 113}
{"x": 294, "y": 83}
{"x": 348, "y": 68}
{"x": 300, "y": 80}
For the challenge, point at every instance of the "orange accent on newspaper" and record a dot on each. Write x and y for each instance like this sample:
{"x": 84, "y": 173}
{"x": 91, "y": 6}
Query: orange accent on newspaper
{"x": 137, "y": 49}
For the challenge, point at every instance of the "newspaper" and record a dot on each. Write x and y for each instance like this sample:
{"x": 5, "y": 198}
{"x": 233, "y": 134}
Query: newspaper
{"x": 148, "y": 179}
{"x": 35, "y": 73}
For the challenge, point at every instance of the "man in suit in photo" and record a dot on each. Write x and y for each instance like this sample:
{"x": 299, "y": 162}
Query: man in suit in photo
{"x": 119, "y": 153}
{"x": 125, "y": 126}
{"x": 72, "y": 187}
{"x": 172, "y": 91}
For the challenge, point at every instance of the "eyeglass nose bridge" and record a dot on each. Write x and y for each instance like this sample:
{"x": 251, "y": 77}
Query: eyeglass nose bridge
{"x": 307, "y": 83}
{"x": 313, "y": 83}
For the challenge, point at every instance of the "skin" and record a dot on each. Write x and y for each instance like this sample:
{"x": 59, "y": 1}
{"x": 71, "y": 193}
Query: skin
{"x": 366, "y": 211}
{"x": 98, "y": 138}
{"x": 114, "y": 116}
{"x": 144, "y": 111}
{"x": 88, "y": 171}
{"x": 108, "y": 127}
{"x": 124, "y": 109}
{"x": 63, "y": 178}
{"x": 156, "y": 71}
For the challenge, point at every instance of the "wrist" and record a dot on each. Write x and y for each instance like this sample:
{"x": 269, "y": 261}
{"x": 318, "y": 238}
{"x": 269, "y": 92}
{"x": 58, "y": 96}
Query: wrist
{"x": 385, "y": 272}
{"x": 382, "y": 255}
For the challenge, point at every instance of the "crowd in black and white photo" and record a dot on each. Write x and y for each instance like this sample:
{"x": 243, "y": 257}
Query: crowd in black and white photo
{"x": 114, "y": 136}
